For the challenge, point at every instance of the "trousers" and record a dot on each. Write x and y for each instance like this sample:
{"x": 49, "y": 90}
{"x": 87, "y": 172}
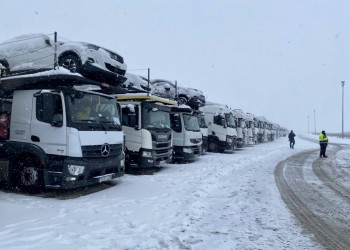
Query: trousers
{"x": 323, "y": 147}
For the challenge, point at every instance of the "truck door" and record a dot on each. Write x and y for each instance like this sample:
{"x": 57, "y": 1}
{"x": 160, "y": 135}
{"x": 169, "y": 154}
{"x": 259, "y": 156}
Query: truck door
{"x": 48, "y": 127}
{"x": 131, "y": 127}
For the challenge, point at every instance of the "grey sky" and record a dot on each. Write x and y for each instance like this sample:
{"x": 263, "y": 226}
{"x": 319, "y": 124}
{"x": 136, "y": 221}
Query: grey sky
{"x": 280, "y": 59}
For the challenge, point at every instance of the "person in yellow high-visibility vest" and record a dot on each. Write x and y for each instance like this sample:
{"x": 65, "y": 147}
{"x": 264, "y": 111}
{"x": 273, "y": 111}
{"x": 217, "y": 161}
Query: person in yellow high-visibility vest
{"x": 323, "y": 143}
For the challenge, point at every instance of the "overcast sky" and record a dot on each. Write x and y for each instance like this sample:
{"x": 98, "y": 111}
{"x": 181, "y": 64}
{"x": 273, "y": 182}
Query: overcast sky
{"x": 280, "y": 59}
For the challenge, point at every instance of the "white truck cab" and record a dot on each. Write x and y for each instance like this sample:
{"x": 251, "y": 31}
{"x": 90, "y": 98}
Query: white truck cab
{"x": 263, "y": 131}
{"x": 204, "y": 130}
{"x": 146, "y": 124}
{"x": 187, "y": 136}
{"x": 222, "y": 132}
{"x": 61, "y": 134}
{"x": 250, "y": 129}
{"x": 241, "y": 128}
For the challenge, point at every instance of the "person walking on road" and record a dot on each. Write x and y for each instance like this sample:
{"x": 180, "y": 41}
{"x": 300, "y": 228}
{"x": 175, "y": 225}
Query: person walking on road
{"x": 291, "y": 139}
{"x": 323, "y": 143}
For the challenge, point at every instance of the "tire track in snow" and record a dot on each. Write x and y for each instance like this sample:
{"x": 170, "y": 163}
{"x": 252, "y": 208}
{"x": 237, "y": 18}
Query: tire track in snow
{"x": 307, "y": 195}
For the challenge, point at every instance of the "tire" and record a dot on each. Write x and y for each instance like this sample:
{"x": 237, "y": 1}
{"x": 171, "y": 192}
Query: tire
{"x": 213, "y": 146}
{"x": 182, "y": 100}
{"x": 5, "y": 72}
{"x": 127, "y": 160}
{"x": 28, "y": 174}
{"x": 70, "y": 62}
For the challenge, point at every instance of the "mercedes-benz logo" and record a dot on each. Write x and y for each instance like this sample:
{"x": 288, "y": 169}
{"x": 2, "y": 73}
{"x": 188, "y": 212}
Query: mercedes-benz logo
{"x": 105, "y": 149}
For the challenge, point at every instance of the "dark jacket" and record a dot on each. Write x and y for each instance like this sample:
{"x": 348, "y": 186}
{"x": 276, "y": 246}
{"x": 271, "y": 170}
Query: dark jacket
{"x": 291, "y": 136}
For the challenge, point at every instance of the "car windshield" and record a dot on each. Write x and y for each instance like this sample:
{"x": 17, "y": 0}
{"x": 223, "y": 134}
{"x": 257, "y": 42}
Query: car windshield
{"x": 154, "y": 118}
{"x": 191, "y": 122}
{"x": 230, "y": 120}
{"x": 90, "y": 108}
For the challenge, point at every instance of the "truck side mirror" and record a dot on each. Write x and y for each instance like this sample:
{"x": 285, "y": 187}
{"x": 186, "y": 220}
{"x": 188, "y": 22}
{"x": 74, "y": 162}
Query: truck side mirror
{"x": 223, "y": 122}
{"x": 132, "y": 120}
{"x": 176, "y": 123}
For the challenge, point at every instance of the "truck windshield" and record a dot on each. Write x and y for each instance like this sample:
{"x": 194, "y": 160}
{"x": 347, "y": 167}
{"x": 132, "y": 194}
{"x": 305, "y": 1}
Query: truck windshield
{"x": 250, "y": 124}
{"x": 93, "y": 109}
{"x": 256, "y": 124}
{"x": 230, "y": 120}
{"x": 191, "y": 122}
{"x": 201, "y": 121}
{"x": 241, "y": 123}
{"x": 154, "y": 118}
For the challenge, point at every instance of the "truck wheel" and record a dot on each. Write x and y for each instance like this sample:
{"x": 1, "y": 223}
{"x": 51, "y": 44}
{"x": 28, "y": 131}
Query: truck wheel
{"x": 213, "y": 146}
{"x": 127, "y": 160}
{"x": 29, "y": 176}
{"x": 70, "y": 62}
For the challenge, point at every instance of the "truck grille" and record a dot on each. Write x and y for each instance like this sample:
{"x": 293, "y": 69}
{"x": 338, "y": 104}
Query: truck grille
{"x": 94, "y": 152}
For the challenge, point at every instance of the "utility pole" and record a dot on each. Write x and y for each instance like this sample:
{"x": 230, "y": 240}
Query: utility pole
{"x": 308, "y": 119}
{"x": 148, "y": 80}
{"x": 176, "y": 93}
{"x": 55, "y": 63}
{"x": 342, "y": 110}
{"x": 315, "y": 120}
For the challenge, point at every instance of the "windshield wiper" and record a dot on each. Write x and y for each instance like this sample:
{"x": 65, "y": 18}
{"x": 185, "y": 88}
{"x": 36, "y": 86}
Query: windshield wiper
{"x": 118, "y": 126}
{"x": 88, "y": 120}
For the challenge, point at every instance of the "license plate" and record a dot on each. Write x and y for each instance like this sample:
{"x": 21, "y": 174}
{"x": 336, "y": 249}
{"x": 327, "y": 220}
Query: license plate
{"x": 105, "y": 178}
{"x": 162, "y": 162}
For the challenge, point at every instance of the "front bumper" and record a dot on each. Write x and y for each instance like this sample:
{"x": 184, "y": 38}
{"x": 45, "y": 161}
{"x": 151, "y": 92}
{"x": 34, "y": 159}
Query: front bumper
{"x": 156, "y": 160}
{"x": 94, "y": 72}
{"x": 227, "y": 146}
{"x": 190, "y": 153}
{"x": 56, "y": 175}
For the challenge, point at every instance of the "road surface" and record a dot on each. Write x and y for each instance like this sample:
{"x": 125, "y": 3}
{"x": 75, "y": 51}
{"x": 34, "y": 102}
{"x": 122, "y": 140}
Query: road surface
{"x": 317, "y": 191}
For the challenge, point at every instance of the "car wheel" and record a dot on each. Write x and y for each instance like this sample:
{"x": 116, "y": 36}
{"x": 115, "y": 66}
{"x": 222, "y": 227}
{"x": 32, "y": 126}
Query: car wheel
{"x": 28, "y": 175}
{"x": 70, "y": 62}
{"x": 5, "y": 70}
{"x": 182, "y": 100}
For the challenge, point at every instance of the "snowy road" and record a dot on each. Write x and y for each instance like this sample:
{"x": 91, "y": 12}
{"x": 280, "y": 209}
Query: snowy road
{"x": 220, "y": 201}
{"x": 317, "y": 191}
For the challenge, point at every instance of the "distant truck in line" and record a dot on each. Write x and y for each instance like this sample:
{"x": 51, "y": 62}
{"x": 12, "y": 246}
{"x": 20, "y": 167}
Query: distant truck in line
{"x": 241, "y": 128}
{"x": 222, "y": 132}
{"x": 251, "y": 136}
{"x": 187, "y": 136}
{"x": 146, "y": 124}
{"x": 262, "y": 132}
{"x": 204, "y": 130}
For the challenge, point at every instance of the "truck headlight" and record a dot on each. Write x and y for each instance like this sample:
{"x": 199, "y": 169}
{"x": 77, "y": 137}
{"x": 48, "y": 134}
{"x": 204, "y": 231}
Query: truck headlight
{"x": 188, "y": 150}
{"x": 146, "y": 154}
{"x": 76, "y": 169}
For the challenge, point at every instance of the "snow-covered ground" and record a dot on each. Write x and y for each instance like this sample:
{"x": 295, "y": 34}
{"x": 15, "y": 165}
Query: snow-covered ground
{"x": 220, "y": 201}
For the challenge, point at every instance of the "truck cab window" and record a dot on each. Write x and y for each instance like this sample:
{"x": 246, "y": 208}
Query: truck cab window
{"x": 219, "y": 120}
{"x": 175, "y": 122}
{"x": 129, "y": 117}
{"x": 49, "y": 108}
